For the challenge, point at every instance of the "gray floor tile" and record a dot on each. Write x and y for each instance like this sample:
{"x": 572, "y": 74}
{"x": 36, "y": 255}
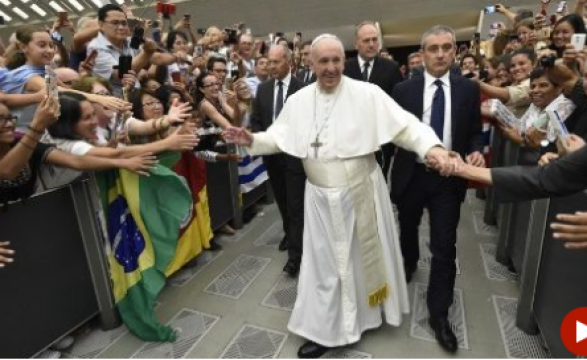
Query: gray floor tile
{"x": 191, "y": 326}
{"x": 426, "y": 256}
{"x": 481, "y": 228}
{"x": 183, "y": 276}
{"x": 283, "y": 294}
{"x": 93, "y": 343}
{"x": 345, "y": 353}
{"x": 493, "y": 269}
{"x": 517, "y": 344}
{"x": 420, "y": 328}
{"x": 236, "y": 279}
{"x": 253, "y": 342}
{"x": 272, "y": 236}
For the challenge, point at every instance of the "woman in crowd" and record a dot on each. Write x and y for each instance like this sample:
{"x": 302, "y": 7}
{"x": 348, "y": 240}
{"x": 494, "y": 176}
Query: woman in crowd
{"x": 526, "y": 33}
{"x": 213, "y": 106}
{"x": 563, "y": 30}
{"x": 27, "y": 60}
{"x": 516, "y": 96}
{"x": 21, "y": 161}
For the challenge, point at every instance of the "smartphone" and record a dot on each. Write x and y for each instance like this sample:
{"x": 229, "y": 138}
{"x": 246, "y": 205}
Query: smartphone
{"x": 578, "y": 41}
{"x": 229, "y": 83}
{"x": 124, "y": 65}
{"x": 561, "y": 7}
{"x": 489, "y": 9}
{"x": 279, "y": 34}
{"x": 299, "y": 34}
{"x": 176, "y": 77}
{"x": 201, "y": 31}
{"x": 477, "y": 38}
{"x": 2, "y": 20}
{"x": 186, "y": 17}
{"x": 198, "y": 50}
{"x": 156, "y": 35}
{"x": 234, "y": 74}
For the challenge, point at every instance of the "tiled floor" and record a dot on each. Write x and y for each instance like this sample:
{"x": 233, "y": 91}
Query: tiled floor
{"x": 236, "y": 304}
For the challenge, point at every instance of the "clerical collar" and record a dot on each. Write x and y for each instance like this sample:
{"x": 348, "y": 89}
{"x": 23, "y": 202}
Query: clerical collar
{"x": 429, "y": 79}
{"x": 331, "y": 92}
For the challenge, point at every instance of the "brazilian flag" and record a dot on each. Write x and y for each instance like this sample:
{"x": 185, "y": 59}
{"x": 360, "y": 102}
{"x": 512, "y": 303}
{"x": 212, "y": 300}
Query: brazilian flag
{"x": 144, "y": 215}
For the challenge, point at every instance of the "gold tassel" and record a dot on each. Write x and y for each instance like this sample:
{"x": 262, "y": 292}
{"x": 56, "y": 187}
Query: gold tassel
{"x": 379, "y": 296}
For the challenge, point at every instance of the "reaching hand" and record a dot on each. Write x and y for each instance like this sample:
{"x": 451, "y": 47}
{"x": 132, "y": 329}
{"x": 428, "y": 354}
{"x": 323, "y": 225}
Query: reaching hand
{"x": 547, "y": 158}
{"x": 5, "y": 254}
{"x": 443, "y": 161}
{"x": 110, "y": 102}
{"x": 569, "y": 144}
{"x": 238, "y": 136}
{"x": 47, "y": 113}
{"x": 572, "y": 229}
{"x": 141, "y": 164}
{"x": 476, "y": 159}
{"x": 179, "y": 112}
{"x": 179, "y": 141}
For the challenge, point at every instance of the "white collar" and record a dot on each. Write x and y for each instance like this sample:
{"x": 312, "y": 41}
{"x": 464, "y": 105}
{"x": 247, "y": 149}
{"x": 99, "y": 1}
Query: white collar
{"x": 429, "y": 79}
{"x": 286, "y": 80}
{"x": 362, "y": 62}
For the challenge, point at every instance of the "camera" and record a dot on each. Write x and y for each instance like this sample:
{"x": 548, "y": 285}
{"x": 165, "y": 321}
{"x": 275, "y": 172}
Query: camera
{"x": 548, "y": 61}
{"x": 232, "y": 36}
{"x": 124, "y": 65}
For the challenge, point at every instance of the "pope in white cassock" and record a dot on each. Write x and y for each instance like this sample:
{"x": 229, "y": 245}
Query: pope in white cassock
{"x": 352, "y": 265}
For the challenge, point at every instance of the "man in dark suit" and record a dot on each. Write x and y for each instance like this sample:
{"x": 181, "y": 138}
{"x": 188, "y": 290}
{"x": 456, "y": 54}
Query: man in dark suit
{"x": 451, "y": 106}
{"x": 286, "y": 173}
{"x": 305, "y": 73}
{"x": 368, "y": 66}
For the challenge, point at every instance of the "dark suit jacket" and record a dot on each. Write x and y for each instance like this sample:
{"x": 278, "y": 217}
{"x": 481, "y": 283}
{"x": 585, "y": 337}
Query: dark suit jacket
{"x": 465, "y": 117}
{"x": 262, "y": 116}
{"x": 302, "y": 75}
{"x": 385, "y": 73}
{"x": 565, "y": 176}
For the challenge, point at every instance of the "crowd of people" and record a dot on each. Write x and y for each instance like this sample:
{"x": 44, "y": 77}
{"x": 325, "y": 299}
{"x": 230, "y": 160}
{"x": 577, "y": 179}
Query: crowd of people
{"x": 124, "y": 96}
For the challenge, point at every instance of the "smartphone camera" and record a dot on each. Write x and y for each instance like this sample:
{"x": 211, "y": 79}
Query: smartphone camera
{"x": 137, "y": 38}
{"x": 201, "y": 31}
{"x": 547, "y": 61}
{"x": 489, "y": 9}
{"x": 124, "y": 65}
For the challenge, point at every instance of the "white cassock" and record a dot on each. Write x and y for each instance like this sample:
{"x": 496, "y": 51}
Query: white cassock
{"x": 350, "y": 243}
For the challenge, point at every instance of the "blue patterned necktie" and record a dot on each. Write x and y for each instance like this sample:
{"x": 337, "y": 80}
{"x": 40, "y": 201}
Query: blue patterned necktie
{"x": 437, "y": 114}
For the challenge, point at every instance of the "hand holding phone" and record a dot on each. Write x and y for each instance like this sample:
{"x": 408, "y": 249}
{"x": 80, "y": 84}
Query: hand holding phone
{"x": 578, "y": 41}
{"x": 124, "y": 65}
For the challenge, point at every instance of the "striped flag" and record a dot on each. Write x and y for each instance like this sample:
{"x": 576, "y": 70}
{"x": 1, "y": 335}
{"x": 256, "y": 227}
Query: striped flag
{"x": 251, "y": 173}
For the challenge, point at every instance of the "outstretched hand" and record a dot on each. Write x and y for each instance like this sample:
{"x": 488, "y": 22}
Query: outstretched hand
{"x": 238, "y": 136}
{"x": 5, "y": 254}
{"x": 572, "y": 229}
{"x": 447, "y": 163}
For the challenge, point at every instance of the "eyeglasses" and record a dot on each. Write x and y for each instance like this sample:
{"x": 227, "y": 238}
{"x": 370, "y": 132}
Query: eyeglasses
{"x": 219, "y": 70}
{"x": 153, "y": 104}
{"x": 117, "y": 23}
{"x": 4, "y": 120}
{"x": 213, "y": 84}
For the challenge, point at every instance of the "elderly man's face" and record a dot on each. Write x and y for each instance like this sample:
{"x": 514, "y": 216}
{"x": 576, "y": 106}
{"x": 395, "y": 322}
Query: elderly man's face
{"x": 279, "y": 65}
{"x": 328, "y": 63}
{"x": 367, "y": 42}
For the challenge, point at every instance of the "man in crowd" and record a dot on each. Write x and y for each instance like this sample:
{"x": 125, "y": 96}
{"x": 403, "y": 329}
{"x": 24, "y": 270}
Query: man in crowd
{"x": 415, "y": 66}
{"x": 351, "y": 268}
{"x": 261, "y": 74}
{"x": 368, "y": 66}
{"x": 286, "y": 173}
{"x": 306, "y": 74}
{"x": 450, "y": 105}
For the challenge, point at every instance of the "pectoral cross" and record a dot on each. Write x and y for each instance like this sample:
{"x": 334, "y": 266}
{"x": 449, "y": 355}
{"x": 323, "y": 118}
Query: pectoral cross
{"x": 316, "y": 145}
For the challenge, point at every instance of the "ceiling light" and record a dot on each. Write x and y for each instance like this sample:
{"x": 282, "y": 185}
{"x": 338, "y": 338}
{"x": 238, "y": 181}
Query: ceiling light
{"x": 76, "y": 5}
{"x": 120, "y": 2}
{"x": 5, "y": 2}
{"x": 6, "y": 17}
{"x": 98, "y": 3}
{"x": 24, "y": 1}
{"x": 55, "y": 6}
{"x": 38, "y": 10}
{"x": 20, "y": 13}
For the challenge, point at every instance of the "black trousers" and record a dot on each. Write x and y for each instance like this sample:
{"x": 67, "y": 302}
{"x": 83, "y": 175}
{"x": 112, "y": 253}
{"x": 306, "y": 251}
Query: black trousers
{"x": 288, "y": 181}
{"x": 442, "y": 197}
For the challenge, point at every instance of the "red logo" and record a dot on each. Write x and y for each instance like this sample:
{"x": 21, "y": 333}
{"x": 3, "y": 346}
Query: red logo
{"x": 574, "y": 331}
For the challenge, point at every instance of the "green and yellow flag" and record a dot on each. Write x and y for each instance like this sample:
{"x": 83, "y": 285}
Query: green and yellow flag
{"x": 144, "y": 216}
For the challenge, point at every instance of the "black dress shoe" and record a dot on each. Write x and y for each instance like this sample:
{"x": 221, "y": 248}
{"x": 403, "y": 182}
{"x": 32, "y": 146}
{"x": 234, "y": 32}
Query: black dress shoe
{"x": 444, "y": 334}
{"x": 283, "y": 244}
{"x": 214, "y": 246}
{"x": 409, "y": 270}
{"x": 311, "y": 350}
{"x": 292, "y": 268}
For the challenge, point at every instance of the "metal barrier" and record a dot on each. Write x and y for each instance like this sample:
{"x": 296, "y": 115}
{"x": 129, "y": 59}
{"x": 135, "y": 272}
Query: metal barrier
{"x": 57, "y": 281}
{"x": 561, "y": 284}
{"x": 61, "y": 282}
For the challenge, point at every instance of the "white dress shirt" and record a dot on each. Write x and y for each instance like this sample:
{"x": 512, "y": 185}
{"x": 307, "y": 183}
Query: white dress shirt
{"x": 362, "y": 62}
{"x": 286, "y": 80}
{"x": 429, "y": 90}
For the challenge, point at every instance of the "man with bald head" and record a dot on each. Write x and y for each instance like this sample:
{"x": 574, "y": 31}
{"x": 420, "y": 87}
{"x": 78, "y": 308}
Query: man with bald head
{"x": 369, "y": 66}
{"x": 286, "y": 173}
{"x": 352, "y": 265}
{"x": 67, "y": 76}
